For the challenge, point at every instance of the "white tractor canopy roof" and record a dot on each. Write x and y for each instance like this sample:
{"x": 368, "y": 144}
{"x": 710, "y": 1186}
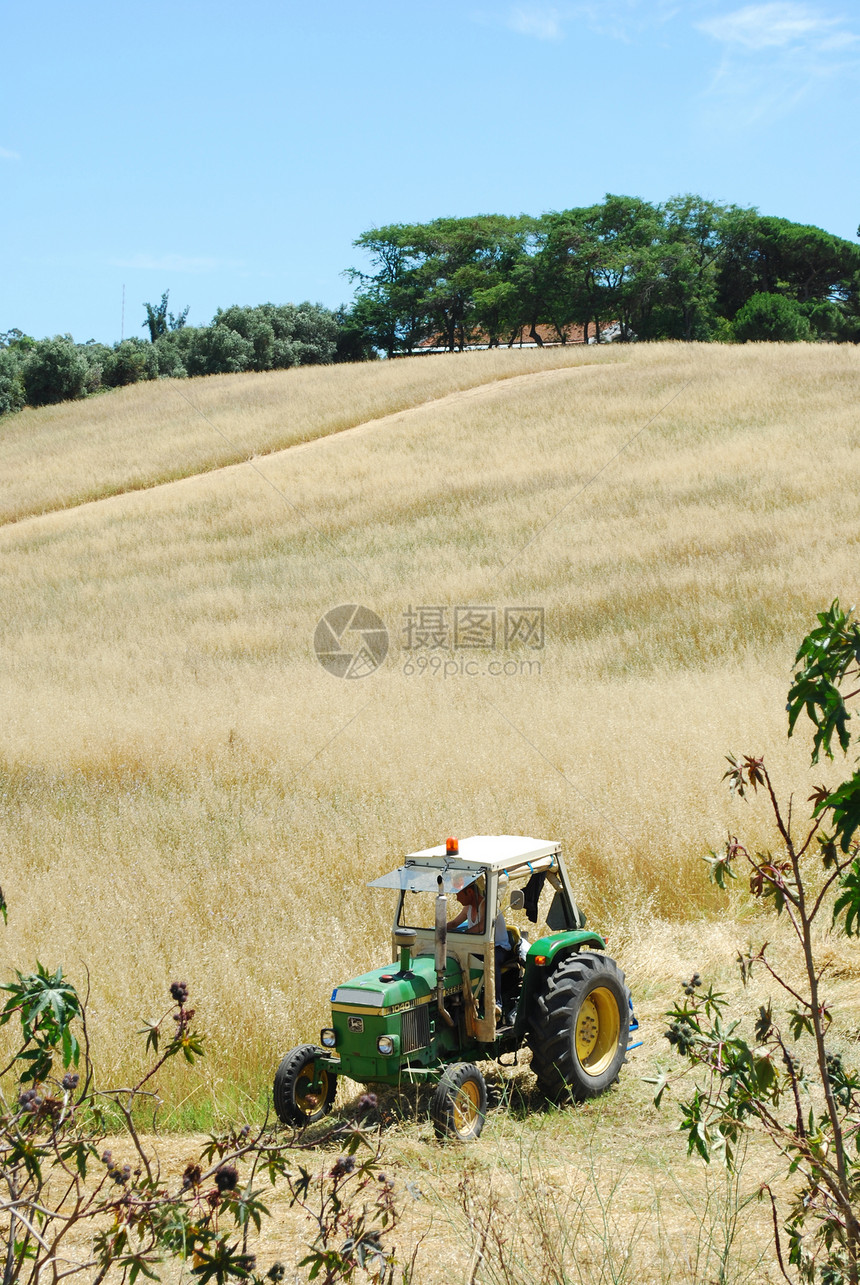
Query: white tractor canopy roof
{"x": 496, "y": 851}
{"x": 505, "y": 853}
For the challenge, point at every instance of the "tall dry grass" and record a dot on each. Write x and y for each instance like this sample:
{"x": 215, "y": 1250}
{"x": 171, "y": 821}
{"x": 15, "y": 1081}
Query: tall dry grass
{"x": 135, "y": 437}
{"x": 185, "y": 791}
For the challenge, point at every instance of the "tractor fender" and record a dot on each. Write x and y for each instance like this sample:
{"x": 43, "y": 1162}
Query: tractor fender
{"x": 550, "y": 951}
{"x": 547, "y": 948}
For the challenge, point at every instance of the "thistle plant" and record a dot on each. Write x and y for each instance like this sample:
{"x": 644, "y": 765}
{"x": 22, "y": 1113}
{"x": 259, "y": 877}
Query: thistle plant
{"x": 58, "y": 1175}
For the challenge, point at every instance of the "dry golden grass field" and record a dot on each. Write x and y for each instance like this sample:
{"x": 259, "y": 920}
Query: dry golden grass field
{"x": 187, "y": 793}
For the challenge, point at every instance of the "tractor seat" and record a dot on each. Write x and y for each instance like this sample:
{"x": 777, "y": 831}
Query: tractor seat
{"x": 512, "y": 961}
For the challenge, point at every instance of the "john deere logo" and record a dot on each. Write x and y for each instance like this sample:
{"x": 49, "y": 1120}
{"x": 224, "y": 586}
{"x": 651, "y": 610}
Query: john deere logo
{"x": 351, "y": 641}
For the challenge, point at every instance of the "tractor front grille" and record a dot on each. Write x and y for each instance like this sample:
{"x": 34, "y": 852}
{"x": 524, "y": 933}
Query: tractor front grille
{"x": 415, "y": 1029}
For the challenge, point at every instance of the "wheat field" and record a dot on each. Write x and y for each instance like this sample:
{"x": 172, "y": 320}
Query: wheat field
{"x": 186, "y": 792}
{"x": 151, "y": 433}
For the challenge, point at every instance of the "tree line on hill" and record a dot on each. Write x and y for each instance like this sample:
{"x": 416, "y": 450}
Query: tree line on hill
{"x": 268, "y": 337}
{"x": 688, "y": 269}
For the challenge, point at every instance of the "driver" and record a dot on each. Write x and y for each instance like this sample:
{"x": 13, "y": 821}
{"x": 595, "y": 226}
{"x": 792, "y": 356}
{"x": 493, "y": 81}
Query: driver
{"x": 472, "y": 919}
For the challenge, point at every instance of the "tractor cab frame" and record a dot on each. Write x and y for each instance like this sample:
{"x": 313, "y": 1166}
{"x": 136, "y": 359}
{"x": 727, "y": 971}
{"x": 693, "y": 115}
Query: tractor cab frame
{"x": 470, "y": 987}
{"x": 511, "y": 871}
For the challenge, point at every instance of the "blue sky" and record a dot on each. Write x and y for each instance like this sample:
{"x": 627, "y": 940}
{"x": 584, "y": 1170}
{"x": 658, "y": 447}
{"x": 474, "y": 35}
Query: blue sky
{"x": 232, "y": 155}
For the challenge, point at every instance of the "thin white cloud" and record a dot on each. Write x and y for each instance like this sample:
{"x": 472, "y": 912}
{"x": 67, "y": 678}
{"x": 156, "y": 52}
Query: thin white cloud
{"x": 539, "y": 22}
{"x": 619, "y": 19}
{"x": 772, "y": 26}
{"x": 174, "y": 263}
{"x": 7, "y": 155}
{"x": 774, "y": 56}
{"x": 625, "y": 19}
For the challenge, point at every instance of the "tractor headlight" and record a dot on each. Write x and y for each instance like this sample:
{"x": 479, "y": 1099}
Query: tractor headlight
{"x": 385, "y": 1044}
{"x": 328, "y": 1037}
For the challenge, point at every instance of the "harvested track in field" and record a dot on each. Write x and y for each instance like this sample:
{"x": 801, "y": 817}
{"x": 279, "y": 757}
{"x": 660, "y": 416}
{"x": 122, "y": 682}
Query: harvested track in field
{"x": 496, "y": 388}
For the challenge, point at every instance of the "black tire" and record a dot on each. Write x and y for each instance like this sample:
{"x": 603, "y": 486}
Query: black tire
{"x": 578, "y": 1027}
{"x": 295, "y": 1103}
{"x": 459, "y": 1106}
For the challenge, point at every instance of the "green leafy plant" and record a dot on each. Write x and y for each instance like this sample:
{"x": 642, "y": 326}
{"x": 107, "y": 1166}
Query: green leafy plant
{"x": 758, "y": 1078}
{"x": 57, "y": 1172}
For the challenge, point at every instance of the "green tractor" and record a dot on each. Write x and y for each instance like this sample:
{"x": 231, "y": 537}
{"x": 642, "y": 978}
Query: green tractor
{"x": 467, "y": 984}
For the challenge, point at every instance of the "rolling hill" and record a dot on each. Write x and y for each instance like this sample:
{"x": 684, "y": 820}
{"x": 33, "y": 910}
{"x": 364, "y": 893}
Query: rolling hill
{"x": 187, "y": 791}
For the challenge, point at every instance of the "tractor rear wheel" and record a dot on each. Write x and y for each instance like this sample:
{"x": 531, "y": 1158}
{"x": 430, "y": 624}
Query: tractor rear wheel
{"x": 297, "y": 1101}
{"x": 459, "y": 1105}
{"x": 578, "y": 1027}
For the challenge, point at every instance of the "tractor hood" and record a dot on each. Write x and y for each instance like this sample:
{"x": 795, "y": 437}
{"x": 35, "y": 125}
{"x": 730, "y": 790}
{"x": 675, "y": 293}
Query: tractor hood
{"x": 386, "y": 989}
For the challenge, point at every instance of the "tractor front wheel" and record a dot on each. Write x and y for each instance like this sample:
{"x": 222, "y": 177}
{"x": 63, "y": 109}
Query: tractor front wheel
{"x": 459, "y": 1105}
{"x": 578, "y": 1027}
{"x": 298, "y": 1100}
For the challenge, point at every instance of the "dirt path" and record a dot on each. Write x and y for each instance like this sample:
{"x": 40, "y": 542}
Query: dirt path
{"x": 478, "y": 393}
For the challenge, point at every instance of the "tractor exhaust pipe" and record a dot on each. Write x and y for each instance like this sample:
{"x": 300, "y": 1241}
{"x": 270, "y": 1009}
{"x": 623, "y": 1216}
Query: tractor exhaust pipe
{"x": 441, "y": 950}
{"x": 404, "y": 940}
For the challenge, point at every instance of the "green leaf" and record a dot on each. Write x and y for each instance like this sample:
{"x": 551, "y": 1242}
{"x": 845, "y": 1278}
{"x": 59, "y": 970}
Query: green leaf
{"x": 698, "y": 1140}
{"x": 79, "y": 1152}
{"x": 661, "y": 1082}
{"x": 222, "y": 1263}
{"x": 848, "y": 901}
{"x": 844, "y": 803}
{"x": 765, "y": 1077}
{"x": 151, "y": 1031}
{"x": 800, "y": 1023}
{"x": 137, "y": 1265}
{"x": 719, "y": 868}
{"x": 47, "y": 1004}
{"x": 826, "y": 654}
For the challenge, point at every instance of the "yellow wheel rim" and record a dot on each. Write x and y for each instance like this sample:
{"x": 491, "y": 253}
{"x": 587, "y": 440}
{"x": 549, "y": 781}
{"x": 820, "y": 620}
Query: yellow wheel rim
{"x": 467, "y": 1108}
{"x": 598, "y": 1026}
{"x": 310, "y": 1100}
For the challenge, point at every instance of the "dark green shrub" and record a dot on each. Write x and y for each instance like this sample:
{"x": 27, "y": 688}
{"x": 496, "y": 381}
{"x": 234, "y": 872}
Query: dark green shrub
{"x": 159, "y": 321}
{"x": 355, "y": 334}
{"x": 74, "y": 1161}
{"x": 169, "y": 350}
{"x": 826, "y": 320}
{"x": 129, "y": 363}
{"x": 771, "y": 317}
{"x": 284, "y": 335}
{"x": 11, "y": 383}
{"x": 315, "y": 333}
{"x": 54, "y": 371}
{"x": 784, "y": 1073}
{"x": 217, "y": 350}
{"x": 97, "y": 356}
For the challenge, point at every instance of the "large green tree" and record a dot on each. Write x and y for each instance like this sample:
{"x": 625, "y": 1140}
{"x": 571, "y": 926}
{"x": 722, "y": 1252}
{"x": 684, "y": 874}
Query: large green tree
{"x": 766, "y": 255}
{"x": 159, "y": 321}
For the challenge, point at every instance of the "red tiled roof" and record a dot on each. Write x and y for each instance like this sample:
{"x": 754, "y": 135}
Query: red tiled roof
{"x": 575, "y": 334}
